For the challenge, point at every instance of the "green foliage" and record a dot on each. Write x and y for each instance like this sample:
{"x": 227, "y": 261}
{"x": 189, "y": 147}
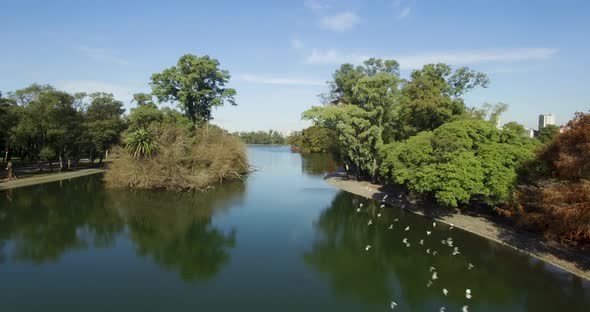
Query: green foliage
{"x": 457, "y": 162}
{"x": 145, "y": 115}
{"x": 142, "y": 143}
{"x": 314, "y": 139}
{"x": 103, "y": 122}
{"x": 197, "y": 84}
{"x": 261, "y": 137}
{"x": 432, "y": 97}
{"x": 47, "y": 153}
{"x": 547, "y": 133}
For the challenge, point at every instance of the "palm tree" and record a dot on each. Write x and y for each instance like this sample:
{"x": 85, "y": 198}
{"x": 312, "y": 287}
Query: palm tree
{"x": 142, "y": 143}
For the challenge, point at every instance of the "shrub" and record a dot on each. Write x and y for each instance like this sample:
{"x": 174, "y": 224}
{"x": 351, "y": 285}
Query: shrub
{"x": 186, "y": 160}
{"x": 457, "y": 162}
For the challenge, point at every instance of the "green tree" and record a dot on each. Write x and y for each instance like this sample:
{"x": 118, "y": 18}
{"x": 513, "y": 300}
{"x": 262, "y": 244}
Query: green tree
{"x": 103, "y": 123}
{"x": 547, "y": 133}
{"x": 142, "y": 99}
{"x": 432, "y": 97}
{"x": 457, "y": 162}
{"x": 197, "y": 84}
{"x": 145, "y": 115}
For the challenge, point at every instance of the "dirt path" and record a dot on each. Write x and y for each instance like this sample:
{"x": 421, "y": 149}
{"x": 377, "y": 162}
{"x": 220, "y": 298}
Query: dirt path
{"x": 572, "y": 260}
{"x": 5, "y": 185}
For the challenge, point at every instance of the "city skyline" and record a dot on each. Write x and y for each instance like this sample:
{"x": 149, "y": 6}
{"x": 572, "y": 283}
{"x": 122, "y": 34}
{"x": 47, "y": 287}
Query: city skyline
{"x": 281, "y": 54}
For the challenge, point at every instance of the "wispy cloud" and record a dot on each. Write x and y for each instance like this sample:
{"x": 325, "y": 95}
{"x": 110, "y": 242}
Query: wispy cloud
{"x": 101, "y": 55}
{"x": 316, "y": 5}
{"x": 340, "y": 22}
{"x": 404, "y": 12}
{"x": 297, "y": 44}
{"x": 403, "y": 8}
{"x": 333, "y": 56}
{"x": 274, "y": 80}
{"x": 119, "y": 91}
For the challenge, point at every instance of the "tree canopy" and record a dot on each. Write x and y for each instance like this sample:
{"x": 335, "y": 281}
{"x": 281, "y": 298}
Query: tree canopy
{"x": 196, "y": 84}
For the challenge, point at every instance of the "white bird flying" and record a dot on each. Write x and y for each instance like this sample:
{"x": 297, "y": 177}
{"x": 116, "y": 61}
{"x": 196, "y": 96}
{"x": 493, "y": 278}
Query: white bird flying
{"x": 361, "y": 205}
{"x": 393, "y": 305}
{"x": 434, "y": 276}
{"x": 456, "y": 251}
{"x": 407, "y": 228}
{"x": 378, "y": 215}
{"x": 428, "y": 251}
{"x": 434, "y": 253}
{"x": 429, "y": 283}
{"x": 465, "y": 308}
{"x": 370, "y": 222}
{"x": 399, "y": 196}
{"x": 428, "y": 232}
{"x": 368, "y": 247}
{"x": 470, "y": 266}
{"x": 405, "y": 240}
{"x": 391, "y": 226}
{"x": 442, "y": 309}
{"x": 432, "y": 269}
{"x": 433, "y": 224}
{"x": 445, "y": 291}
{"x": 468, "y": 293}
{"x": 358, "y": 209}
{"x": 407, "y": 244}
{"x": 385, "y": 197}
{"x": 421, "y": 242}
{"x": 452, "y": 226}
{"x": 382, "y": 206}
{"x": 396, "y": 220}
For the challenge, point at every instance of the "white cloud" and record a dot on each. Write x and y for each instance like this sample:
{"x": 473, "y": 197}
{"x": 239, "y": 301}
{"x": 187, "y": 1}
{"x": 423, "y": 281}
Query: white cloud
{"x": 332, "y": 56}
{"x": 101, "y": 55}
{"x": 316, "y": 5}
{"x": 273, "y": 80}
{"x": 297, "y": 44}
{"x": 120, "y": 92}
{"x": 340, "y": 22}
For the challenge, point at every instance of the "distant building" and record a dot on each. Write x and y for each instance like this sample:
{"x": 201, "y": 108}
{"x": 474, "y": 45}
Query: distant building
{"x": 545, "y": 120}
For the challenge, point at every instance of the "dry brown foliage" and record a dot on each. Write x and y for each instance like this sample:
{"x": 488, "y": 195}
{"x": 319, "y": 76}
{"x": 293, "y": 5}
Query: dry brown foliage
{"x": 560, "y": 208}
{"x": 185, "y": 161}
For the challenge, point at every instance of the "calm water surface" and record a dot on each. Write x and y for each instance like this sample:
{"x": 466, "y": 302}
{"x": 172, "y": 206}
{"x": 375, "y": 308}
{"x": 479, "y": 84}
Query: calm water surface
{"x": 282, "y": 241}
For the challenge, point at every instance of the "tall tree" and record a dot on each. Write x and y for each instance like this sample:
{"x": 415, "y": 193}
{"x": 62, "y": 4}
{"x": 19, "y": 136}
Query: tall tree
{"x": 103, "y": 123}
{"x": 197, "y": 84}
{"x": 432, "y": 97}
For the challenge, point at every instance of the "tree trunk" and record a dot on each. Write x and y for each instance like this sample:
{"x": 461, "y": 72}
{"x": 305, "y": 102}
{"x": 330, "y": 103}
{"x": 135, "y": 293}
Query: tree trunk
{"x": 50, "y": 166}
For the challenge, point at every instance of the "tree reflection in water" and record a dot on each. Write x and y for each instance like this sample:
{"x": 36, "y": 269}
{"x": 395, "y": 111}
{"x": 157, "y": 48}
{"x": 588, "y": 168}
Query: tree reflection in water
{"x": 175, "y": 229}
{"x": 45, "y": 222}
{"x": 502, "y": 280}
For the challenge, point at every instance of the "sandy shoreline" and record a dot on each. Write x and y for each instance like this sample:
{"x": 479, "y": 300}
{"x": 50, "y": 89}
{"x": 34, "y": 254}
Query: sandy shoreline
{"x": 48, "y": 178}
{"x": 574, "y": 261}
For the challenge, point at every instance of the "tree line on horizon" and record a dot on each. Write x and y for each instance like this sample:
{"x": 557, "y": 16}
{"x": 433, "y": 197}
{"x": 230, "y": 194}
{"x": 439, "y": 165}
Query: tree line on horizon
{"x": 418, "y": 132}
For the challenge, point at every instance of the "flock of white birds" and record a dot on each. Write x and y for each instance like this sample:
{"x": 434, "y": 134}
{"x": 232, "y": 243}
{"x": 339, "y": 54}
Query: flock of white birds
{"x": 447, "y": 242}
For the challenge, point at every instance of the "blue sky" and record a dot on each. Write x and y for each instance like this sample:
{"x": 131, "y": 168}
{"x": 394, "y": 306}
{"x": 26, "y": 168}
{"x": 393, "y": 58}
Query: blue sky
{"x": 280, "y": 53}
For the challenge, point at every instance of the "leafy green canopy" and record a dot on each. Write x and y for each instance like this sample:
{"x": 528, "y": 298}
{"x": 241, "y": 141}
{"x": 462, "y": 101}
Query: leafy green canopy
{"x": 458, "y": 161}
{"x": 197, "y": 84}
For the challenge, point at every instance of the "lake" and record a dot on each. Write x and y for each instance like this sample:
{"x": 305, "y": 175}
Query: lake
{"x": 281, "y": 241}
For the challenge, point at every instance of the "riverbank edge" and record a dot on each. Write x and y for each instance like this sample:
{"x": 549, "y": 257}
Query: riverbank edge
{"x": 524, "y": 242}
{"x": 7, "y": 185}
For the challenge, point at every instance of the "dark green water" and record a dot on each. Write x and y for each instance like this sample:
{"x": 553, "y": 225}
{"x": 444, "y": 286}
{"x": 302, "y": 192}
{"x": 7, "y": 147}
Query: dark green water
{"x": 282, "y": 241}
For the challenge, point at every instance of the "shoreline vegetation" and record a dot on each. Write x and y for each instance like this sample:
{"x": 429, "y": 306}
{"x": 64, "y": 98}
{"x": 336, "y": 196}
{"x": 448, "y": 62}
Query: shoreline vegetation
{"x": 34, "y": 180}
{"x": 417, "y": 133}
{"x": 572, "y": 260}
{"x": 150, "y": 148}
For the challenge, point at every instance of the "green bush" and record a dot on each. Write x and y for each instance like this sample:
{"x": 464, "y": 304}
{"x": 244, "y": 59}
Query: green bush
{"x": 458, "y": 161}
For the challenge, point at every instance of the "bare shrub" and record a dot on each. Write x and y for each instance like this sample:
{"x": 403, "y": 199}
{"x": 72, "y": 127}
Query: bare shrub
{"x": 185, "y": 161}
